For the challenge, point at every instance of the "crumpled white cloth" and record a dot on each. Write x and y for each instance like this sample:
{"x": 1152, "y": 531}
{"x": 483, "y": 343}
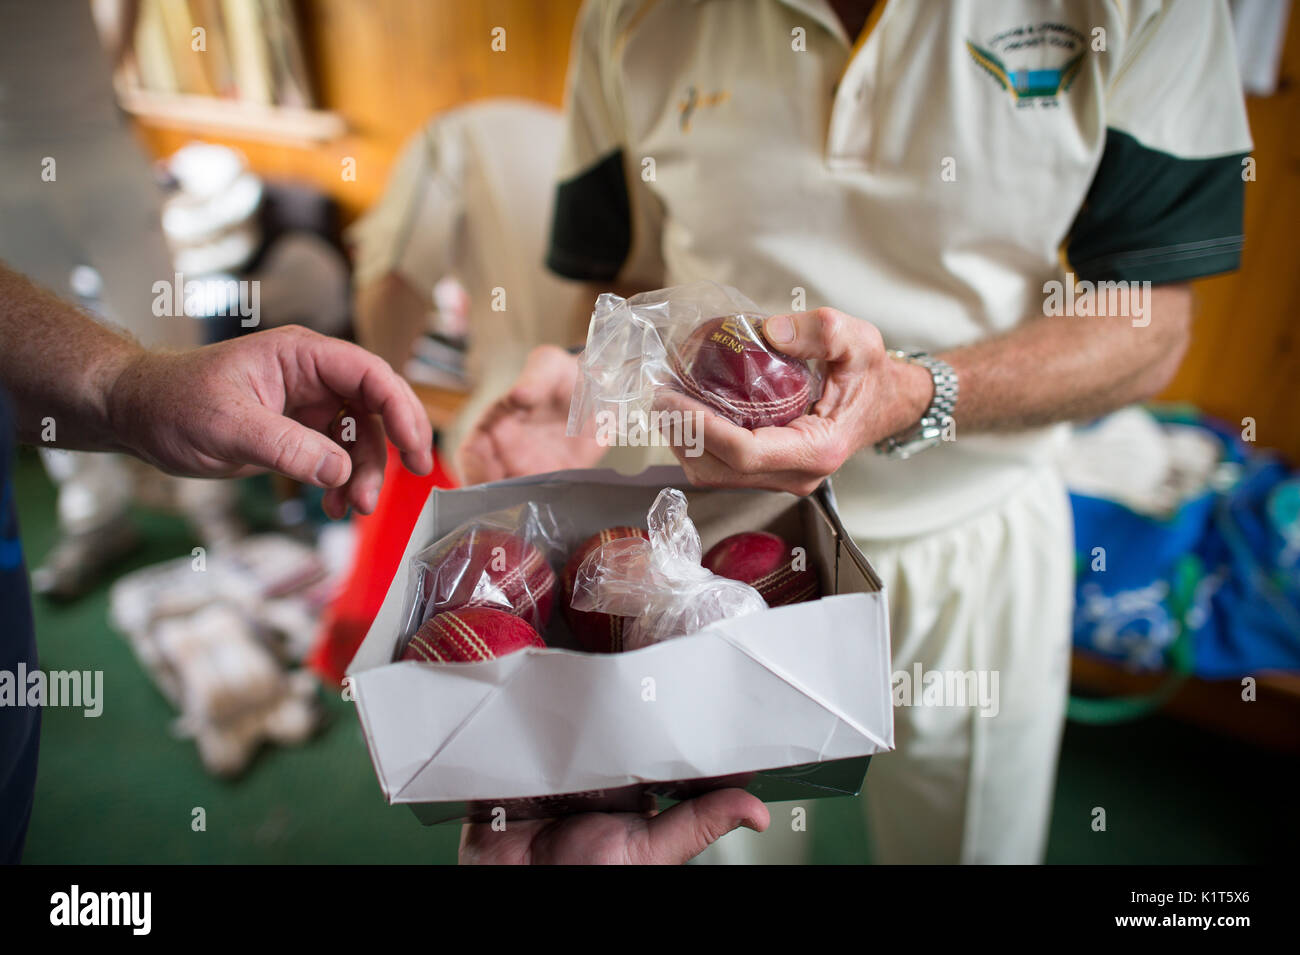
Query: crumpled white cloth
{"x": 1132, "y": 458}
{"x": 220, "y": 634}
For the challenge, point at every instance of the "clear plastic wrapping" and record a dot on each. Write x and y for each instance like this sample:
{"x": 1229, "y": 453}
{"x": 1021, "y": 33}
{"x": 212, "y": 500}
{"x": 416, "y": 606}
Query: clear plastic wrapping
{"x": 702, "y": 340}
{"x": 659, "y": 583}
{"x": 501, "y": 560}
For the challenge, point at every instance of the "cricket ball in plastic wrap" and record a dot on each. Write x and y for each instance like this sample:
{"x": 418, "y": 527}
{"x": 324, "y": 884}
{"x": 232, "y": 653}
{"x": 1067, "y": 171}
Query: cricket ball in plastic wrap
{"x": 727, "y": 365}
{"x": 469, "y": 635}
{"x": 765, "y": 562}
{"x": 487, "y": 567}
{"x": 597, "y": 632}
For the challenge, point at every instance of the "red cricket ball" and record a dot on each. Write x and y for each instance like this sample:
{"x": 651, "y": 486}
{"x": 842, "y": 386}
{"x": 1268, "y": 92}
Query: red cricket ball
{"x": 727, "y": 364}
{"x": 763, "y": 561}
{"x": 486, "y": 567}
{"x": 597, "y": 632}
{"x": 470, "y": 634}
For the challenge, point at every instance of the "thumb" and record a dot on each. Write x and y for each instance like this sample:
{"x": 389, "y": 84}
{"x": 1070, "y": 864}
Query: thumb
{"x": 688, "y": 828}
{"x": 272, "y": 441}
{"x": 825, "y": 334}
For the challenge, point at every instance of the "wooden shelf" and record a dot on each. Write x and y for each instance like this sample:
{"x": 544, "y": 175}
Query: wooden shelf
{"x": 208, "y": 114}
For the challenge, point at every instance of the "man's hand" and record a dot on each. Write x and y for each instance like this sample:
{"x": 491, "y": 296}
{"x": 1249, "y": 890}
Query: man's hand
{"x": 289, "y": 400}
{"x": 622, "y": 838}
{"x": 523, "y": 431}
{"x": 1047, "y": 369}
{"x": 866, "y": 396}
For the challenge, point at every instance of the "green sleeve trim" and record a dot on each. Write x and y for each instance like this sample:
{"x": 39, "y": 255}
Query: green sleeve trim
{"x": 1154, "y": 217}
{"x": 591, "y": 232}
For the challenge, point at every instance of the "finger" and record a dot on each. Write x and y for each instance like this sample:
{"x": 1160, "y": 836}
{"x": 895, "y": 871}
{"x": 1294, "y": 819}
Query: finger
{"x": 694, "y": 419}
{"x": 704, "y": 469}
{"x": 805, "y": 445}
{"x": 688, "y": 828}
{"x": 369, "y": 456}
{"x": 708, "y": 471}
{"x": 498, "y": 411}
{"x": 479, "y": 459}
{"x": 481, "y": 844}
{"x": 476, "y": 462}
{"x": 370, "y": 385}
{"x": 825, "y": 334}
{"x": 363, "y": 437}
{"x": 475, "y": 459}
{"x": 424, "y": 427}
{"x": 260, "y": 437}
{"x": 548, "y": 369}
{"x": 335, "y": 503}
{"x": 520, "y": 450}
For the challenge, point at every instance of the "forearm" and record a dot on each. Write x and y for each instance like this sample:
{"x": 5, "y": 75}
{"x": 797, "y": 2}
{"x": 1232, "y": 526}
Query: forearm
{"x": 1055, "y": 369}
{"x": 58, "y": 366}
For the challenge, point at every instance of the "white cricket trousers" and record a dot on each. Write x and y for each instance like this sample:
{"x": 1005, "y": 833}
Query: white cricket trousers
{"x": 993, "y": 594}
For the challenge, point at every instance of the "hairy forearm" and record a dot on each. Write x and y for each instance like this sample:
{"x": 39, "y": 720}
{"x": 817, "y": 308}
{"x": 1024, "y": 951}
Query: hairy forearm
{"x": 1070, "y": 368}
{"x": 59, "y": 367}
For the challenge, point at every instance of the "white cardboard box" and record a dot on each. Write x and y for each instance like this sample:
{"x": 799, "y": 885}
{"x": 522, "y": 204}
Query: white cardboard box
{"x": 789, "y": 702}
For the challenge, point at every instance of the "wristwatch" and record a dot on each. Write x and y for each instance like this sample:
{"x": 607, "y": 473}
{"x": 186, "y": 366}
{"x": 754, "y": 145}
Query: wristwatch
{"x": 927, "y": 432}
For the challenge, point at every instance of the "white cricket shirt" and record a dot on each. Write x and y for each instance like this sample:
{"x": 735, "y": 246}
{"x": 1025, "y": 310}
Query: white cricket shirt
{"x": 929, "y": 179}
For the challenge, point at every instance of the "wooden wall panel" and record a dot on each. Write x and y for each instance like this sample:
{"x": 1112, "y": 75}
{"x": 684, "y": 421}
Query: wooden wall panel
{"x": 1245, "y": 355}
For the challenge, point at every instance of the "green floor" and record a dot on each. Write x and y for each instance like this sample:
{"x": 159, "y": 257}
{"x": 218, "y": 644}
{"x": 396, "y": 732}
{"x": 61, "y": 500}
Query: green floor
{"x": 121, "y": 788}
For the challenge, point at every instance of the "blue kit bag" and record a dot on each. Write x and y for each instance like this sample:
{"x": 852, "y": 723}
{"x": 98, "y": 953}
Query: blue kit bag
{"x": 1211, "y": 590}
